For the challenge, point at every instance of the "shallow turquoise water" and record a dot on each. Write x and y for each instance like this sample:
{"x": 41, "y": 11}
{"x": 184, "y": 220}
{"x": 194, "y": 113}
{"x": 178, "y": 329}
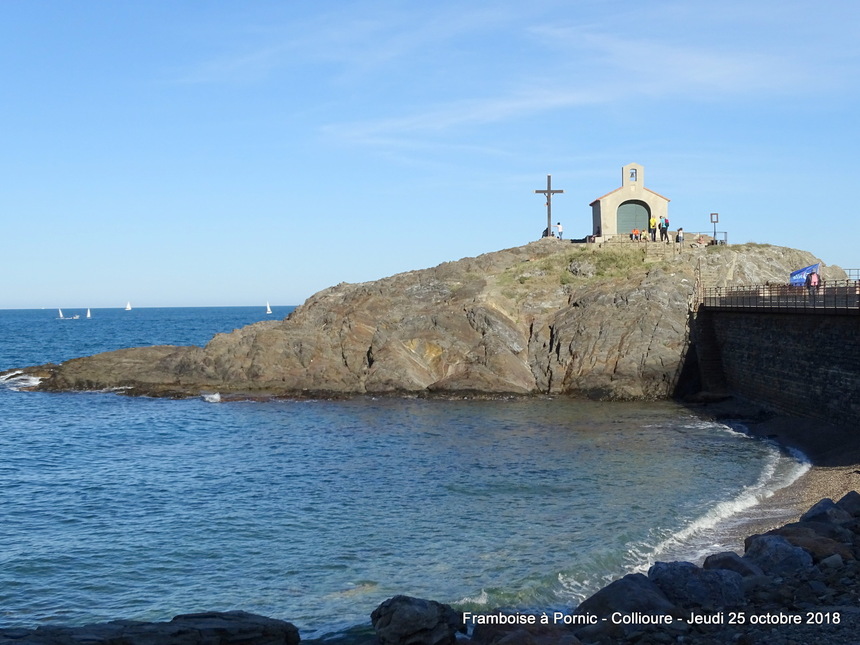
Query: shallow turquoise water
{"x": 316, "y": 511}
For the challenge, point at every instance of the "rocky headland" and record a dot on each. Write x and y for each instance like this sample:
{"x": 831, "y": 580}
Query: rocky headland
{"x": 608, "y": 322}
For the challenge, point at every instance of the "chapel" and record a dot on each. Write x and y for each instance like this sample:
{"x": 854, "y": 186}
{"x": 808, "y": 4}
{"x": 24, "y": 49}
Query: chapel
{"x": 628, "y": 207}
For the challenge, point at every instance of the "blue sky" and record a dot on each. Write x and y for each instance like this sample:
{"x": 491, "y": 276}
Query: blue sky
{"x": 229, "y": 153}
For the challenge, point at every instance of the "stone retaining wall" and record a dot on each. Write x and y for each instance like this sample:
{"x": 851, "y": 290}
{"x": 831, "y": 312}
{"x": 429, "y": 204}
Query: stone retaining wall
{"x": 801, "y": 364}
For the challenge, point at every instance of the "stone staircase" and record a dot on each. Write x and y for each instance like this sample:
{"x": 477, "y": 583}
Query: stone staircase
{"x": 652, "y": 251}
{"x": 659, "y": 251}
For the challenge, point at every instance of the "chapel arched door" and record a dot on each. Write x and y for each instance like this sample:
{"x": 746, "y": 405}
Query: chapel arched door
{"x": 633, "y": 214}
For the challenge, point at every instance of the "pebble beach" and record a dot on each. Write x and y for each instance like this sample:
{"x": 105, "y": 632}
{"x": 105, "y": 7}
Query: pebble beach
{"x": 833, "y": 452}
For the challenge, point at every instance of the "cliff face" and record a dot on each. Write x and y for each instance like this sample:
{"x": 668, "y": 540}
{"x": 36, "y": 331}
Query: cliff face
{"x": 548, "y": 317}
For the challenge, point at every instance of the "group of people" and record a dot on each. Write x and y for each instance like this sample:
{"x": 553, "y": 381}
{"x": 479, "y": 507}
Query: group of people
{"x": 653, "y": 226}
{"x": 662, "y": 225}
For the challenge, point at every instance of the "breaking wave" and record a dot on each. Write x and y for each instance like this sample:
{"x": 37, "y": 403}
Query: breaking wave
{"x": 17, "y": 381}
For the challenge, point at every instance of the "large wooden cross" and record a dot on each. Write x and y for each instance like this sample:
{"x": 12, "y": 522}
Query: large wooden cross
{"x": 549, "y": 192}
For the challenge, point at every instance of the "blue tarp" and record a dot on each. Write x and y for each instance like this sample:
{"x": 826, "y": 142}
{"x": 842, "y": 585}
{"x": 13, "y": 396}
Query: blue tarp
{"x": 799, "y": 277}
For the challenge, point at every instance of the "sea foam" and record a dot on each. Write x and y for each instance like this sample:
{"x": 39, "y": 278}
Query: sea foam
{"x": 17, "y": 381}
{"x": 783, "y": 467}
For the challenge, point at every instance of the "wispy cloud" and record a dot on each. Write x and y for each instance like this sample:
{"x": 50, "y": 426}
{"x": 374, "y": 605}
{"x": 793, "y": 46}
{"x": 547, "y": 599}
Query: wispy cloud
{"x": 247, "y": 66}
{"x": 668, "y": 68}
{"x": 459, "y": 114}
{"x": 355, "y": 43}
{"x": 587, "y": 68}
{"x": 421, "y": 74}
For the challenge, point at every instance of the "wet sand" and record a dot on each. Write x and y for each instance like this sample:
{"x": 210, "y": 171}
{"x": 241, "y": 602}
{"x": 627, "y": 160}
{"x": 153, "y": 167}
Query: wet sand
{"x": 834, "y": 452}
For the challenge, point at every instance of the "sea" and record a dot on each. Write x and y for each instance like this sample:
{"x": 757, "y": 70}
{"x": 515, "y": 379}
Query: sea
{"x": 316, "y": 511}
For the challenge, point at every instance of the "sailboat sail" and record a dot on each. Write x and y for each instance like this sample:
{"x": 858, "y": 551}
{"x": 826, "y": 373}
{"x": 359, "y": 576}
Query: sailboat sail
{"x": 268, "y": 308}
{"x": 89, "y": 315}
{"x": 128, "y": 306}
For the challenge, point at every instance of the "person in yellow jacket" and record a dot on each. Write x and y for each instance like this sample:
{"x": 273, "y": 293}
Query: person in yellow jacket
{"x": 652, "y": 228}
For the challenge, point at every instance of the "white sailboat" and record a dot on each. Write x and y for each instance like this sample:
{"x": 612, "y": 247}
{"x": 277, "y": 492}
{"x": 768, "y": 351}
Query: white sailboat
{"x": 89, "y": 315}
{"x": 61, "y": 313}
{"x": 128, "y": 306}
{"x": 62, "y": 317}
{"x": 268, "y": 308}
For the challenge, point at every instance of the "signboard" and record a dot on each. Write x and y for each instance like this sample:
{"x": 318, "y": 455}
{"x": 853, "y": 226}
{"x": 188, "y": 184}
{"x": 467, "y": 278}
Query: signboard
{"x": 798, "y": 278}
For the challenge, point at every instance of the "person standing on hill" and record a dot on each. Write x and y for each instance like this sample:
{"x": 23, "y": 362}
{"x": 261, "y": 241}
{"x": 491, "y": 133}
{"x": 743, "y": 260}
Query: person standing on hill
{"x": 652, "y": 228}
{"x": 560, "y": 229}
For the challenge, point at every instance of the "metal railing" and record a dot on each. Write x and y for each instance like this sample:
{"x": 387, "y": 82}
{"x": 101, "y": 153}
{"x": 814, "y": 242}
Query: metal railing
{"x": 706, "y": 239}
{"x": 832, "y": 296}
{"x": 691, "y": 238}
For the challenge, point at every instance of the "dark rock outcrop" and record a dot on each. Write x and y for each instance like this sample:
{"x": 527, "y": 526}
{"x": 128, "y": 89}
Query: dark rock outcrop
{"x": 634, "y": 592}
{"x": 688, "y": 586}
{"x": 731, "y": 561}
{"x": 224, "y": 628}
{"x": 523, "y": 634}
{"x": 826, "y": 511}
{"x": 548, "y": 317}
{"x": 776, "y": 555}
{"x": 633, "y": 595}
{"x": 404, "y": 620}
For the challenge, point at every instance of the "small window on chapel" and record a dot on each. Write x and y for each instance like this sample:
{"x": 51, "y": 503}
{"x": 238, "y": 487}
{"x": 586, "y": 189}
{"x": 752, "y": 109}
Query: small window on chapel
{"x": 633, "y": 174}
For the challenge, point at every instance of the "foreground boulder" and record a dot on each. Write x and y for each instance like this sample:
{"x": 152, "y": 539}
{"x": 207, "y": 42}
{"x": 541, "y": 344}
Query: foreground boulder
{"x": 688, "y": 586}
{"x": 524, "y": 634}
{"x": 404, "y": 620}
{"x": 223, "y": 628}
{"x": 775, "y": 555}
{"x": 632, "y": 595}
{"x": 850, "y": 503}
{"x": 820, "y": 547}
{"x": 826, "y": 510}
{"x": 731, "y": 561}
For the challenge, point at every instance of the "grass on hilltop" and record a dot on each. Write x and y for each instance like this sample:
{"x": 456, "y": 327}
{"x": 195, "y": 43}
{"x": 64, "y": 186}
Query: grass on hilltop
{"x": 551, "y": 272}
